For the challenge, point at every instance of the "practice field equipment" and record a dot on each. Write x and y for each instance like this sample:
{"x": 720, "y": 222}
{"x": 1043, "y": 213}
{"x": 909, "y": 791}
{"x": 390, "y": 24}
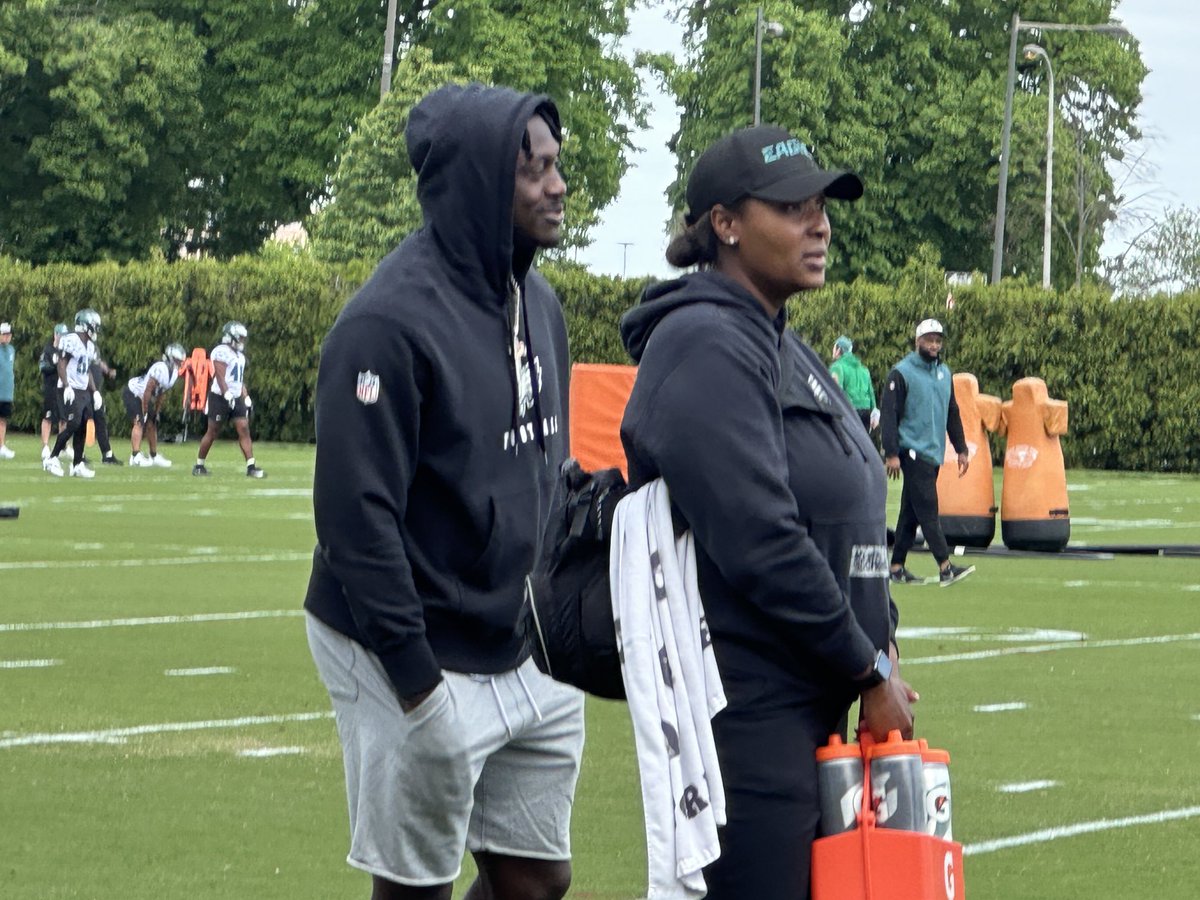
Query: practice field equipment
{"x": 1034, "y": 511}
{"x": 599, "y": 394}
{"x": 9, "y": 512}
{"x": 967, "y": 505}
{"x": 197, "y": 372}
{"x": 898, "y": 845}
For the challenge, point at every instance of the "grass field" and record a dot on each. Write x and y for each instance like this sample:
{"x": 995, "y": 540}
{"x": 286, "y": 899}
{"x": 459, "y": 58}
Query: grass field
{"x": 163, "y": 733}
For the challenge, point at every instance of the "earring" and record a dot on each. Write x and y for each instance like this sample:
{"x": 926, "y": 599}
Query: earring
{"x": 732, "y": 241}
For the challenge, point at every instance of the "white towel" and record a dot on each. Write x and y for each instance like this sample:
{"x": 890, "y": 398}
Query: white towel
{"x": 674, "y": 690}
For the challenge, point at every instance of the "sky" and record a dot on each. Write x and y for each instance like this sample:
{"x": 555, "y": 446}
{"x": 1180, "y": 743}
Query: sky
{"x": 630, "y": 239}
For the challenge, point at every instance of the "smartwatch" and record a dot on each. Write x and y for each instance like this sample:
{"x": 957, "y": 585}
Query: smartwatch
{"x": 880, "y": 672}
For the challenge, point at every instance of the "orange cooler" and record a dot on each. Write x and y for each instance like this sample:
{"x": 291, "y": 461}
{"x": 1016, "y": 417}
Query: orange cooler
{"x": 967, "y": 505}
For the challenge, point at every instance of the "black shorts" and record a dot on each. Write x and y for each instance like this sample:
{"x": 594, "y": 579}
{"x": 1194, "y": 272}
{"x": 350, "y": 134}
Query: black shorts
{"x": 5, "y": 409}
{"x": 51, "y": 403}
{"x": 133, "y": 408}
{"x": 79, "y": 410}
{"x": 218, "y": 410}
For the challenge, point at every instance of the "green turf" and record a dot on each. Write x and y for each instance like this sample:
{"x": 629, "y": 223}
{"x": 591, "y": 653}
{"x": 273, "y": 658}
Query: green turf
{"x": 180, "y": 813}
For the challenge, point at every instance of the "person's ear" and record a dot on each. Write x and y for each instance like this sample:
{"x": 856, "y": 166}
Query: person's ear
{"x": 725, "y": 225}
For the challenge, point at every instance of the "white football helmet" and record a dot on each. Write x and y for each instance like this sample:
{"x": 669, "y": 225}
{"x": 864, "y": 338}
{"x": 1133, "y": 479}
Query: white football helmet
{"x": 173, "y": 355}
{"x": 234, "y": 334}
{"x": 87, "y": 321}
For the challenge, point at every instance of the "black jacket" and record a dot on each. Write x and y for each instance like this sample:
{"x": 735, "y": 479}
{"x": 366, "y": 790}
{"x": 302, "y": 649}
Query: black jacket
{"x": 431, "y": 497}
{"x": 770, "y": 467}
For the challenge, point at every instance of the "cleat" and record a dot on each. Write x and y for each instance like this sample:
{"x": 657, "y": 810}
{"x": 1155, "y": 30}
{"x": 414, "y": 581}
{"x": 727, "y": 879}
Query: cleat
{"x": 5, "y": 453}
{"x": 903, "y": 576}
{"x": 255, "y": 472}
{"x": 45, "y": 451}
{"x": 111, "y": 460}
{"x": 82, "y": 471}
{"x": 199, "y": 469}
{"x": 953, "y": 574}
{"x": 159, "y": 460}
{"x": 53, "y": 466}
{"x": 138, "y": 460}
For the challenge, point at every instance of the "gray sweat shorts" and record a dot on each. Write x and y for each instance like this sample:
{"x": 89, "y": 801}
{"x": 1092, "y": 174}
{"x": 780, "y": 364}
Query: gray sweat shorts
{"x": 486, "y": 763}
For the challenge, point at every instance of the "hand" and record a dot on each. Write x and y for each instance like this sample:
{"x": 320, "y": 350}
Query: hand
{"x": 893, "y": 466}
{"x": 888, "y": 706}
{"x": 408, "y": 704}
{"x": 144, "y": 418}
{"x": 230, "y": 396}
{"x": 68, "y": 395}
{"x": 964, "y": 463}
{"x": 874, "y": 419}
{"x": 97, "y": 400}
{"x": 249, "y": 402}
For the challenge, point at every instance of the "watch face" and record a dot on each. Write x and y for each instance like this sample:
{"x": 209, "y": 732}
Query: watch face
{"x": 883, "y": 665}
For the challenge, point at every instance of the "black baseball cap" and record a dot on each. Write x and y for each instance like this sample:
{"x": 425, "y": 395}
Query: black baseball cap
{"x": 764, "y": 162}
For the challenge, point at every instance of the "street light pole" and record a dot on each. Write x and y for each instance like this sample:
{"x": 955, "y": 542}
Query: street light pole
{"x": 624, "y": 254}
{"x": 1006, "y": 130}
{"x": 1031, "y": 51}
{"x": 775, "y": 30}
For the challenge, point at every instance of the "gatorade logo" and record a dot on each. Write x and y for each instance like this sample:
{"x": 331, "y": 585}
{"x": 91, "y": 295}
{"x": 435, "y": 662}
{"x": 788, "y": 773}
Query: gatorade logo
{"x": 1022, "y": 456}
{"x": 948, "y": 875}
{"x": 773, "y": 152}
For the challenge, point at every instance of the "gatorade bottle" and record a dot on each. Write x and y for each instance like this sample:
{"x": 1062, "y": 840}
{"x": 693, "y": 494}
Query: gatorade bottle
{"x": 840, "y": 785}
{"x": 936, "y": 771}
{"x": 898, "y": 784}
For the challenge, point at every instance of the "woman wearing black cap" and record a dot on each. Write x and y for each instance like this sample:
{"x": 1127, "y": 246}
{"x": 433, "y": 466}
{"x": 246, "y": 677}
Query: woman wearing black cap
{"x": 767, "y": 464}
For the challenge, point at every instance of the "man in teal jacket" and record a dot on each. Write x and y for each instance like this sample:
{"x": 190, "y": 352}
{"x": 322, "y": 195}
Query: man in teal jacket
{"x": 919, "y": 411}
{"x": 853, "y": 378}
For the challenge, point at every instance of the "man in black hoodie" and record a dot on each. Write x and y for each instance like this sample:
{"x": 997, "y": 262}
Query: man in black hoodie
{"x": 441, "y": 420}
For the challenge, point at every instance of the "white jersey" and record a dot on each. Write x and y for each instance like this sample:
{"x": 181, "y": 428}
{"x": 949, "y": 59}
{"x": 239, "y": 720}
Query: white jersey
{"x": 235, "y": 366}
{"x": 164, "y": 378}
{"x": 81, "y": 354}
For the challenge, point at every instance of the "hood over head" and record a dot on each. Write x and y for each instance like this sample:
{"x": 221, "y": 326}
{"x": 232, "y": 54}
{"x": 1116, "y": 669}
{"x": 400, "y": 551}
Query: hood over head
{"x": 463, "y": 142}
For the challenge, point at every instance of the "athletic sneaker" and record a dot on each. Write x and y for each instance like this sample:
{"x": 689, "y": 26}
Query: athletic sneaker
{"x": 159, "y": 460}
{"x": 255, "y": 472}
{"x": 199, "y": 469}
{"x": 5, "y": 453}
{"x": 45, "y": 451}
{"x": 903, "y": 576}
{"x": 53, "y": 466}
{"x": 953, "y": 574}
{"x": 111, "y": 460}
{"x": 138, "y": 460}
{"x": 82, "y": 471}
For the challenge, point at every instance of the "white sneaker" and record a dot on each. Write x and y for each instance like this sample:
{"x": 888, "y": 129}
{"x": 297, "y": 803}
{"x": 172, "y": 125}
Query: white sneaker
{"x": 137, "y": 460}
{"x": 5, "y": 453}
{"x": 82, "y": 471}
{"x": 53, "y": 466}
{"x": 45, "y": 451}
{"x": 159, "y": 460}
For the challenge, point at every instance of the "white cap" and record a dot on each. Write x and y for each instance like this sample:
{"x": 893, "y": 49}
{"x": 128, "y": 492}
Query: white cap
{"x": 5, "y": 328}
{"x": 929, "y": 326}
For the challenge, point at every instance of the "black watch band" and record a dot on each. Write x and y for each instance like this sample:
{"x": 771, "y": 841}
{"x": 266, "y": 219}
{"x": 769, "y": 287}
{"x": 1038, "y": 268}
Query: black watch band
{"x": 880, "y": 672}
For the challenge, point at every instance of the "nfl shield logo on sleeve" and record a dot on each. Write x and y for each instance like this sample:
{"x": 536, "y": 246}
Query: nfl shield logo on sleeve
{"x": 368, "y": 387}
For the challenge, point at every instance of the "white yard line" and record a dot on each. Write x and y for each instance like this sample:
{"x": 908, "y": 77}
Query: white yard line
{"x": 1049, "y": 648}
{"x": 118, "y": 735}
{"x": 1025, "y": 787}
{"x": 1001, "y": 707}
{"x": 167, "y": 561}
{"x": 152, "y": 620}
{"x": 29, "y": 663}
{"x": 272, "y": 751}
{"x": 205, "y": 670}
{"x": 1065, "y": 831}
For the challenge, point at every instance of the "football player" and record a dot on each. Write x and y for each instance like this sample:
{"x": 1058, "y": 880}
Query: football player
{"x": 76, "y": 351}
{"x": 228, "y": 398}
{"x": 143, "y": 398}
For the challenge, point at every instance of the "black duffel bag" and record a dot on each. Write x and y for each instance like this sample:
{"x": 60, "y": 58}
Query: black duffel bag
{"x": 573, "y": 636}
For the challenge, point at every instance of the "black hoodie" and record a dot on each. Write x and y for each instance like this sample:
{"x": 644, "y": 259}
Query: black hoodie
{"x": 432, "y": 489}
{"x": 779, "y": 482}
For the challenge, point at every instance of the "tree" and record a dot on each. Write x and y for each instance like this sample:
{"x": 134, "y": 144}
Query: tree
{"x": 911, "y": 96}
{"x": 97, "y": 120}
{"x": 1165, "y": 260}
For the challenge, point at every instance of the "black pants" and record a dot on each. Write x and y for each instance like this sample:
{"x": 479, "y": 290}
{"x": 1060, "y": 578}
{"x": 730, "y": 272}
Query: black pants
{"x": 919, "y": 506}
{"x": 767, "y": 750}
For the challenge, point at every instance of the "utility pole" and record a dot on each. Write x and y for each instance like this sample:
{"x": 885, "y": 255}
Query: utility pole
{"x": 624, "y": 254}
{"x": 389, "y": 41}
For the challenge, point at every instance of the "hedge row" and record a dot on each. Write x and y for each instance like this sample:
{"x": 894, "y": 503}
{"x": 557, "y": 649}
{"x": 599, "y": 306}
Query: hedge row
{"x": 1130, "y": 370}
